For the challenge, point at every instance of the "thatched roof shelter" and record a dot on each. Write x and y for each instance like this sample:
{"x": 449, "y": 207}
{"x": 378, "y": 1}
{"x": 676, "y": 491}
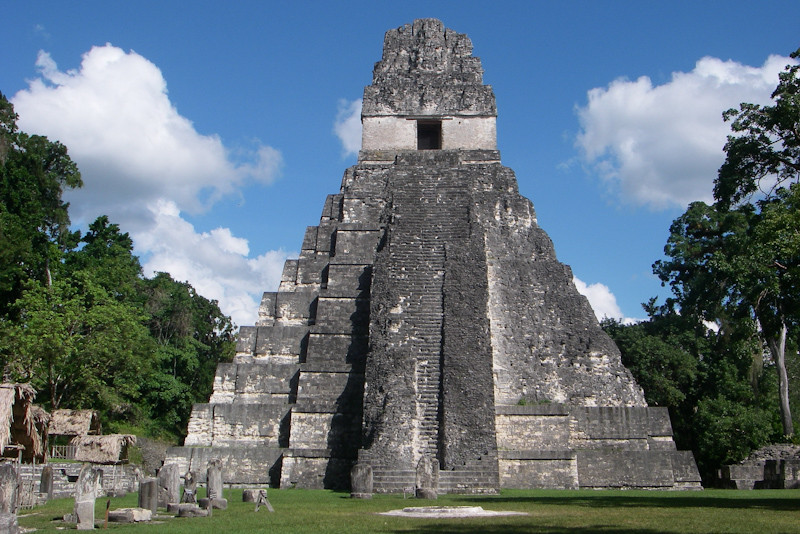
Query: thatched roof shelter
{"x": 23, "y": 426}
{"x": 73, "y": 423}
{"x": 110, "y": 449}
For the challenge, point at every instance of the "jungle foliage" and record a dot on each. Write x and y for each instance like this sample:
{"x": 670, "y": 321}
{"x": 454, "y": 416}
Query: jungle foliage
{"x": 78, "y": 320}
{"x": 722, "y": 352}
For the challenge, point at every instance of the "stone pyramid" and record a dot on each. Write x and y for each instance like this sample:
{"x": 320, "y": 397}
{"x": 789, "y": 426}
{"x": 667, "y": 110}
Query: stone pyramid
{"x": 427, "y": 317}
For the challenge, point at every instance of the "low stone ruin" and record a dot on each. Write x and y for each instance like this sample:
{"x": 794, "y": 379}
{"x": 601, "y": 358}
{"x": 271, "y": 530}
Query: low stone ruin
{"x": 772, "y": 467}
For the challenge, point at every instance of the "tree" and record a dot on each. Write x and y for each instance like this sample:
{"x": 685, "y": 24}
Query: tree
{"x": 34, "y": 220}
{"x": 77, "y": 318}
{"x": 704, "y": 378}
{"x": 107, "y": 253}
{"x": 737, "y": 262}
{"x": 77, "y": 343}
{"x": 192, "y": 336}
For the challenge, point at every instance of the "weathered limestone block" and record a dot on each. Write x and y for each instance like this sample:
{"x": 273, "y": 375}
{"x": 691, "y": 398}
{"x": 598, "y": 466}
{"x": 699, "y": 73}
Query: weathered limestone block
{"x": 205, "y": 503}
{"x": 246, "y": 340}
{"x": 289, "y": 275}
{"x": 295, "y": 307}
{"x": 8, "y": 489}
{"x": 343, "y": 315}
{"x": 214, "y": 479}
{"x": 254, "y": 424}
{"x": 201, "y": 425}
{"x": 314, "y": 469}
{"x": 361, "y": 481}
{"x": 9, "y": 524}
{"x": 538, "y": 469}
{"x": 427, "y": 478}
{"x": 280, "y": 340}
{"x": 225, "y": 383}
{"x": 46, "y": 482}
{"x": 169, "y": 485}
{"x": 532, "y": 432}
{"x": 625, "y": 469}
{"x": 356, "y": 245}
{"x": 253, "y": 383}
{"x": 337, "y": 349}
{"x": 129, "y": 515}
{"x": 87, "y": 488}
{"x": 310, "y": 268}
{"x": 191, "y": 510}
{"x": 148, "y": 494}
{"x": 8, "y": 499}
{"x": 310, "y": 238}
{"x": 267, "y": 309}
{"x": 361, "y": 210}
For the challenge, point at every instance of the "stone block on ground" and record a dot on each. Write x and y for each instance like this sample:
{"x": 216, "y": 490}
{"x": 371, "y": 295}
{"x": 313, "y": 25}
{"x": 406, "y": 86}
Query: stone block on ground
{"x": 191, "y": 510}
{"x": 217, "y": 502}
{"x": 129, "y": 515}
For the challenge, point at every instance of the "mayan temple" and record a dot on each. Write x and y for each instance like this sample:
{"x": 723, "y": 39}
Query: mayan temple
{"x": 427, "y": 318}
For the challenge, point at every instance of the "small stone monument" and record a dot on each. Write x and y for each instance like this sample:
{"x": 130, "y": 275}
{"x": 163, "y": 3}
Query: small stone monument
{"x": 46, "y": 482}
{"x": 361, "y": 481}
{"x": 427, "y": 478}
{"x": 189, "y": 488}
{"x": 148, "y": 494}
{"x": 8, "y": 499}
{"x": 169, "y": 485}
{"x": 214, "y": 486}
{"x": 86, "y": 489}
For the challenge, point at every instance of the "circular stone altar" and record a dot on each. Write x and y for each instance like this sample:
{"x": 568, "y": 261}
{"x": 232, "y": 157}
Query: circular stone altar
{"x": 448, "y": 512}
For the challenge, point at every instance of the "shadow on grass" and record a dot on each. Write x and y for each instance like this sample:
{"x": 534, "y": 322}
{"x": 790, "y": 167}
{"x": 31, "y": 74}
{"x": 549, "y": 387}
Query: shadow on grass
{"x": 519, "y": 529}
{"x": 657, "y": 501}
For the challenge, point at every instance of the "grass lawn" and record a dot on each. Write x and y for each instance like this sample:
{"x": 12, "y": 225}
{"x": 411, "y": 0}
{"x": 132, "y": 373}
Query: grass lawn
{"x": 308, "y": 511}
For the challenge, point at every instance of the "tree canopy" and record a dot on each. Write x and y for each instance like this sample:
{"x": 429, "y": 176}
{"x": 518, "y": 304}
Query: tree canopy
{"x": 733, "y": 267}
{"x": 737, "y": 262}
{"x": 78, "y": 320}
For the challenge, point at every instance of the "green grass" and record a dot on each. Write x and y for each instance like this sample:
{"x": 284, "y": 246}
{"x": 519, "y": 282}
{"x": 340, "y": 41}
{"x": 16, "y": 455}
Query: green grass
{"x": 307, "y": 511}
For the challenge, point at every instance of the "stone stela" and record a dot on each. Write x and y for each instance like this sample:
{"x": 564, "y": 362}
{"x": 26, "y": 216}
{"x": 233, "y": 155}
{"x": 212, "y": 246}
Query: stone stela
{"x": 428, "y": 317}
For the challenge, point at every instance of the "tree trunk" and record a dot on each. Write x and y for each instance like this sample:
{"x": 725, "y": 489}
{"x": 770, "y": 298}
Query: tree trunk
{"x": 778, "y": 349}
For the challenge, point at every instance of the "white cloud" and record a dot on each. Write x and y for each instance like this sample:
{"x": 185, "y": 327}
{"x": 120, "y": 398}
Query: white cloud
{"x": 348, "y": 126}
{"x": 603, "y": 301}
{"x": 661, "y": 146}
{"x": 143, "y": 164}
{"x": 216, "y": 262}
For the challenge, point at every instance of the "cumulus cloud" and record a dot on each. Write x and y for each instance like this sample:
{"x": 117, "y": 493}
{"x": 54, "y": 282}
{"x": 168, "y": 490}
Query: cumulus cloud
{"x": 603, "y": 301}
{"x": 217, "y": 263}
{"x": 348, "y": 126}
{"x": 660, "y": 146}
{"x": 143, "y": 164}
{"x": 115, "y": 116}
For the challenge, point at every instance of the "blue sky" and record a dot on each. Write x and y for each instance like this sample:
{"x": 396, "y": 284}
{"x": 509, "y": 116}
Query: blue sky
{"x": 207, "y": 130}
